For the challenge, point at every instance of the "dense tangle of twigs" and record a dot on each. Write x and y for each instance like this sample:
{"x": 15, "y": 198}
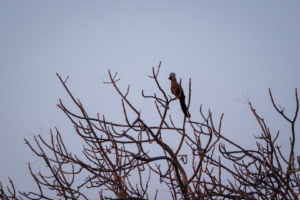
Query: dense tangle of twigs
{"x": 261, "y": 173}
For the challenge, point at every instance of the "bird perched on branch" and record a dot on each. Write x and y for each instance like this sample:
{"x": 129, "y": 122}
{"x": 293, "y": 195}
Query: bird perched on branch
{"x": 176, "y": 89}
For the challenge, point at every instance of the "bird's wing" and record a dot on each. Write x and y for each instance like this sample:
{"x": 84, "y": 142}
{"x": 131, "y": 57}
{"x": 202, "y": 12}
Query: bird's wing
{"x": 182, "y": 93}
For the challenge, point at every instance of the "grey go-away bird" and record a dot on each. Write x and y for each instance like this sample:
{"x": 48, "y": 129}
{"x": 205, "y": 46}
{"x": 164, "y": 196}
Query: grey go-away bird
{"x": 176, "y": 89}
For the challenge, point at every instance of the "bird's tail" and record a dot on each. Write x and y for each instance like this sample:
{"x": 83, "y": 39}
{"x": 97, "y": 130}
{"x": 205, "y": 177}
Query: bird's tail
{"x": 184, "y": 108}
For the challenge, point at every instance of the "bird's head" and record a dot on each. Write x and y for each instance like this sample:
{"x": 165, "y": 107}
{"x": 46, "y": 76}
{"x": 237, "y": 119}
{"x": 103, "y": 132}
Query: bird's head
{"x": 172, "y": 76}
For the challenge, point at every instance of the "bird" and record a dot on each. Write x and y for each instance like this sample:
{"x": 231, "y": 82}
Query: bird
{"x": 176, "y": 89}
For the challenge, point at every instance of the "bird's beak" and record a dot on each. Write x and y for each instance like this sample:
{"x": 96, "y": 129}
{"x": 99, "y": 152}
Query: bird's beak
{"x": 170, "y": 78}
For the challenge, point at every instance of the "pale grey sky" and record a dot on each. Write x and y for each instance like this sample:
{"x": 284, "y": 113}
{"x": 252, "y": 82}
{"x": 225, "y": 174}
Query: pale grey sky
{"x": 227, "y": 48}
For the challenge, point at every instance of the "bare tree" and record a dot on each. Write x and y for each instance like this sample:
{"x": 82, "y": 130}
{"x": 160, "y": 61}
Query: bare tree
{"x": 114, "y": 151}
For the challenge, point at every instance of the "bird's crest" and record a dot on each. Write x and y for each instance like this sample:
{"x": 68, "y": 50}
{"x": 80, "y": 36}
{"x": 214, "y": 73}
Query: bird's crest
{"x": 172, "y": 74}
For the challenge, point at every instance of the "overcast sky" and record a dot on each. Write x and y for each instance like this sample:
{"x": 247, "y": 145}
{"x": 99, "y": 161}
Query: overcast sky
{"x": 227, "y": 48}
